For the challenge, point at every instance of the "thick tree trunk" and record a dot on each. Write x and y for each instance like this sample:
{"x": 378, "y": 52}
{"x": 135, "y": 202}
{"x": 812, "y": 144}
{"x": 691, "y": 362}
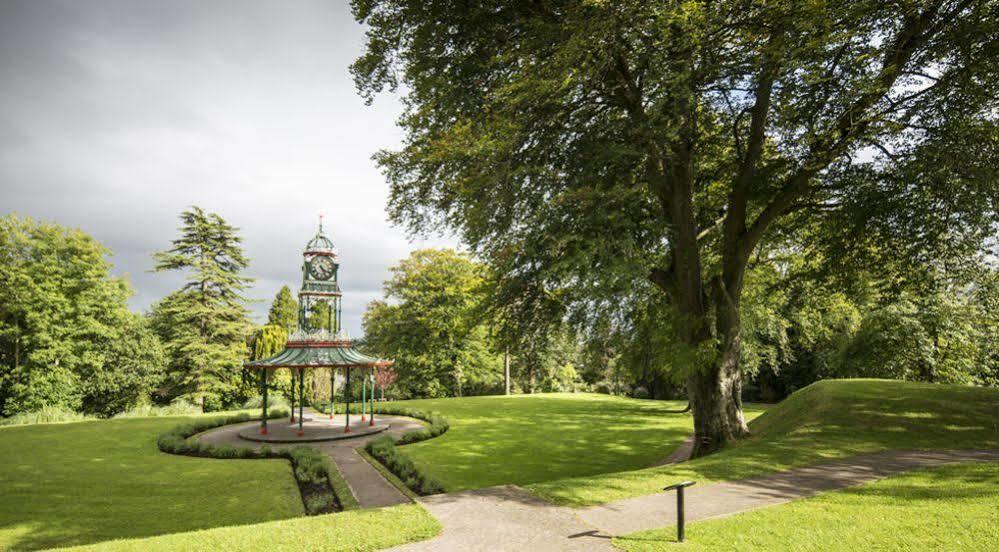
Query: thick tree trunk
{"x": 716, "y": 404}
{"x": 715, "y": 392}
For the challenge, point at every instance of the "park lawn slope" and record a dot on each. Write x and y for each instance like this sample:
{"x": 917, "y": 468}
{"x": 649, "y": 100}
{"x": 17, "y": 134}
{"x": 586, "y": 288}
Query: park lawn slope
{"x": 353, "y": 530}
{"x": 826, "y": 420}
{"x": 84, "y": 482}
{"x": 951, "y": 507}
{"x": 523, "y": 439}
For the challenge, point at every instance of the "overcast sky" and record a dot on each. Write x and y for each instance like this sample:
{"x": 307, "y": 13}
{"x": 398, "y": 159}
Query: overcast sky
{"x": 116, "y": 115}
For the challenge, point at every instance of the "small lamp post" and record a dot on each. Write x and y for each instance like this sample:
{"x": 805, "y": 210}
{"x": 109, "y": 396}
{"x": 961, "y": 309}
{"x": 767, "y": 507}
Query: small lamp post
{"x": 679, "y": 506}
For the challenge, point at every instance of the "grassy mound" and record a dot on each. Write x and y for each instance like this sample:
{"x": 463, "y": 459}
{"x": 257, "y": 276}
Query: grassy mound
{"x": 829, "y": 419}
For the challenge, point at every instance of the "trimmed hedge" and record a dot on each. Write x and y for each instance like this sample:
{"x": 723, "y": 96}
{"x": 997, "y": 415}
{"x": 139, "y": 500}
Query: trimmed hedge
{"x": 323, "y": 487}
{"x": 385, "y": 451}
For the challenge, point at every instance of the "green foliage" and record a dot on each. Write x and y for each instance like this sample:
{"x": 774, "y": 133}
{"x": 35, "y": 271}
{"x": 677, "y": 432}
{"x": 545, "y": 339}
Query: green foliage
{"x": 798, "y": 328}
{"x": 284, "y": 310}
{"x": 204, "y": 325}
{"x": 176, "y": 408}
{"x": 433, "y": 323}
{"x": 47, "y": 415}
{"x": 583, "y": 149}
{"x": 67, "y": 338}
{"x": 133, "y": 364}
{"x": 267, "y": 341}
{"x": 383, "y": 449}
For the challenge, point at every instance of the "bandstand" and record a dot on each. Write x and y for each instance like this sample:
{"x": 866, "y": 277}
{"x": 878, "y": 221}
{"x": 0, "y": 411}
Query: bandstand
{"x": 319, "y": 343}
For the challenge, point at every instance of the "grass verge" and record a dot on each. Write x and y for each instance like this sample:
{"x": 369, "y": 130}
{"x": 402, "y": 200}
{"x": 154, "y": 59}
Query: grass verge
{"x": 358, "y": 530}
{"x": 951, "y": 507}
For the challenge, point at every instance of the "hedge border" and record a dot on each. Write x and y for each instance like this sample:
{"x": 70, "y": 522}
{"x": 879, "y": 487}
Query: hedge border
{"x": 386, "y": 452}
{"x": 312, "y": 469}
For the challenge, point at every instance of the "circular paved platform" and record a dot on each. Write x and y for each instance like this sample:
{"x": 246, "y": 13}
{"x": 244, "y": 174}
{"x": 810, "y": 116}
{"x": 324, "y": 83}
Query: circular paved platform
{"x": 280, "y": 431}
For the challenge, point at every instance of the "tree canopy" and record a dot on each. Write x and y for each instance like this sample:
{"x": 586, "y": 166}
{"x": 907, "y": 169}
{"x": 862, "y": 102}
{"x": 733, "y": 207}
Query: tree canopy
{"x": 204, "y": 325}
{"x": 432, "y": 322}
{"x": 590, "y": 148}
{"x": 67, "y": 338}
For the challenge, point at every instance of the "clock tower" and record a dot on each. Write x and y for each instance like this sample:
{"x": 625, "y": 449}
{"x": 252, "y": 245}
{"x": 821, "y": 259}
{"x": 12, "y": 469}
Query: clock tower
{"x": 319, "y": 298}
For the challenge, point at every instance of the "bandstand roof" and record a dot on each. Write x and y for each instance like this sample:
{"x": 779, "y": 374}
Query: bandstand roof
{"x": 319, "y": 350}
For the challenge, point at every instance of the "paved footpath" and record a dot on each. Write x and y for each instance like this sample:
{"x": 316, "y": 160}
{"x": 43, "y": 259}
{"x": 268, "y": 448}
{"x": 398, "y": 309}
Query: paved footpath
{"x": 367, "y": 484}
{"x": 510, "y": 518}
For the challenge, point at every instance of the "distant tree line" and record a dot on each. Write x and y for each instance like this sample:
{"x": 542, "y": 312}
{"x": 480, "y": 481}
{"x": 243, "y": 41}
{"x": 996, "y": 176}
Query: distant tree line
{"x": 453, "y": 324}
{"x": 804, "y": 321}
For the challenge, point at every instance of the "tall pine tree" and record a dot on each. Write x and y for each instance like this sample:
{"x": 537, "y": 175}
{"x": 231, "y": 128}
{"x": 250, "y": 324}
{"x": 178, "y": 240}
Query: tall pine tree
{"x": 284, "y": 310}
{"x": 204, "y": 325}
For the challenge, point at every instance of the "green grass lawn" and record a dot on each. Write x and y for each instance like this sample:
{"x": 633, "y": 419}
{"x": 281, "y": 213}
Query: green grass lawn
{"x": 524, "y": 439}
{"x": 953, "y": 507}
{"x": 354, "y": 531}
{"x": 829, "y": 419}
{"x": 76, "y": 483}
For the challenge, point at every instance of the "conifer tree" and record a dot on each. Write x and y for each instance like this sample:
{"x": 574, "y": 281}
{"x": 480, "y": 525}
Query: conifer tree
{"x": 284, "y": 310}
{"x": 204, "y": 324}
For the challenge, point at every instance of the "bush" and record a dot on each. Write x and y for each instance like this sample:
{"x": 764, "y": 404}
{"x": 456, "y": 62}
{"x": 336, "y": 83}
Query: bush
{"x": 47, "y": 415}
{"x": 319, "y": 503}
{"x": 384, "y": 448}
{"x": 176, "y": 408}
{"x": 274, "y": 400}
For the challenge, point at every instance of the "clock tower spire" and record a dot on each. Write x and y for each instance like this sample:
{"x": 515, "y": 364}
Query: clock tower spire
{"x": 319, "y": 298}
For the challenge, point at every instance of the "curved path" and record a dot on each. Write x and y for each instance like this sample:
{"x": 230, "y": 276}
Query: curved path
{"x": 368, "y": 486}
{"x": 510, "y": 518}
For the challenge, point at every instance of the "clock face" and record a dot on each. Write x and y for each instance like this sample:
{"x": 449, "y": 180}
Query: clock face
{"x": 321, "y": 268}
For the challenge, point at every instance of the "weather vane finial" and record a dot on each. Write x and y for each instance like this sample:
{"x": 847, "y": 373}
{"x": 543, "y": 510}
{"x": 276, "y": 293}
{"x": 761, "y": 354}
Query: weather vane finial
{"x": 320, "y": 221}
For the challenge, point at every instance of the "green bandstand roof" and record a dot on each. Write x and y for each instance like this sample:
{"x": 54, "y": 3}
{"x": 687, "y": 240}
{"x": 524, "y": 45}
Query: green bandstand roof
{"x": 318, "y": 350}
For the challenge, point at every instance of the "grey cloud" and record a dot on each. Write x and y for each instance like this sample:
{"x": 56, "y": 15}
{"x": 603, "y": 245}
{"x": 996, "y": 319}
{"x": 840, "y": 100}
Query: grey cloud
{"x": 116, "y": 115}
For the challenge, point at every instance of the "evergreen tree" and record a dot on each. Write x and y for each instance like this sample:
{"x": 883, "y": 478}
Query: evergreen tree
{"x": 204, "y": 325}
{"x": 284, "y": 310}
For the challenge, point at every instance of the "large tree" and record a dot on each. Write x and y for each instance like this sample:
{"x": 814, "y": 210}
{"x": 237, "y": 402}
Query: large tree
{"x": 587, "y": 144}
{"x": 67, "y": 338}
{"x": 204, "y": 325}
{"x": 433, "y": 323}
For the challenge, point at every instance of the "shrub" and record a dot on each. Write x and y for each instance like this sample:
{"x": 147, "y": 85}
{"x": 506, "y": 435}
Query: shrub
{"x": 318, "y": 503}
{"x": 274, "y": 400}
{"x": 176, "y": 408}
{"x": 384, "y": 450}
{"x": 47, "y": 415}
